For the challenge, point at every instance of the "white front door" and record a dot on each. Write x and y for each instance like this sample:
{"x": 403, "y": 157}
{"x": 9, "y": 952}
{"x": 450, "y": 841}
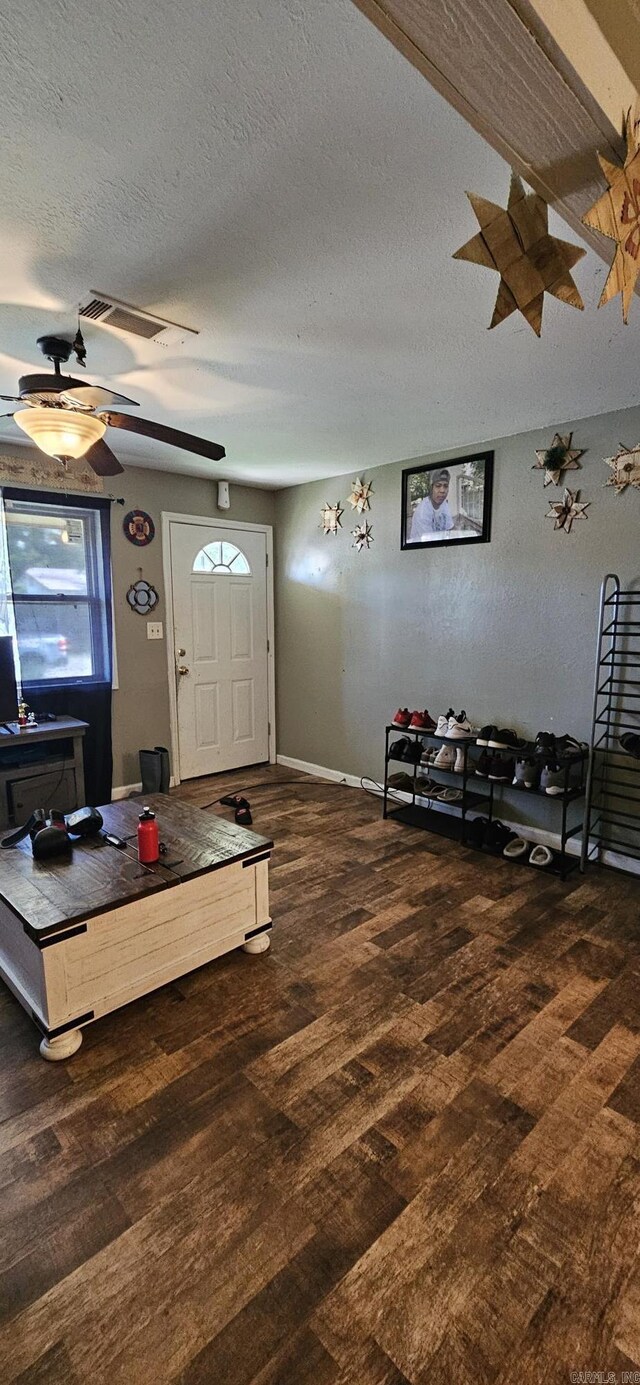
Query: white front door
{"x": 219, "y": 594}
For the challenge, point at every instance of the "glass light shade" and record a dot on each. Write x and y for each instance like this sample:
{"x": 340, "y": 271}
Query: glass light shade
{"x": 60, "y": 432}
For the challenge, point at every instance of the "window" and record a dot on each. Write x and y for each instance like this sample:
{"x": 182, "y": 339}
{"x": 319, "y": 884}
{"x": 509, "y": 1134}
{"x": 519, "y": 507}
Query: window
{"x": 221, "y": 557}
{"x": 53, "y": 590}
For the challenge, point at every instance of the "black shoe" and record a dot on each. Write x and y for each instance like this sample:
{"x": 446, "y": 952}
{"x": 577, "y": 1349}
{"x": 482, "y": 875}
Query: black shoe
{"x": 630, "y": 742}
{"x": 497, "y": 836}
{"x": 545, "y": 744}
{"x": 485, "y": 734}
{"x": 397, "y": 750}
{"x": 502, "y": 769}
{"x": 475, "y": 832}
{"x": 568, "y": 748}
{"x": 233, "y": 800}
{"x": 505, "y": 739}
{"x": 413, "y": 752}
{"x": 483, "y": 765}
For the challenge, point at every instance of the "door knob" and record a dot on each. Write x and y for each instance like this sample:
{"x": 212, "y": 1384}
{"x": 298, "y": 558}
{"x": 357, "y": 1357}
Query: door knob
{"x": 181, "y": 653}
{"x": 182, "y": 670}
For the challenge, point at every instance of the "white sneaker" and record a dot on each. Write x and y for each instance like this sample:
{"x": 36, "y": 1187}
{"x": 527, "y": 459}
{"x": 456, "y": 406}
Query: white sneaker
{"x": 541, "y": 856}
{"x": 460, "y": 728}
{"x": 444, "y": 722}
{"x": 460, "y": 761}
{"x": 446, "y": 757}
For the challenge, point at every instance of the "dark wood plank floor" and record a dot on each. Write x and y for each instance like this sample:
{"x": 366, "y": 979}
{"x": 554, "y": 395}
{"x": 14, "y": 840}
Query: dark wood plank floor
{"x": 402, "y": 1146}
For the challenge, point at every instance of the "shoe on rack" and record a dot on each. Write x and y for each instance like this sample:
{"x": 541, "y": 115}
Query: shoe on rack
{"x": 401, "y": 781}
{"x": 461, "y": 760}
{"x": 527, "y": 775}
{"x": 501, "y": 770}
{"x": 545, "y": 743}
{"x": 446, "y": 758}
{"x": 475, "y": 832}
{"x": 568, "y": 748}
{"x": 630, "y": 742}
{"x": 397, "y": 750}
{"x": 484, "y": 735}
{"x": 497, "y": 836}
{"x": 506, "y": 739}
{"x": 426, "y": 786}
{"x": 428, "y": 755}
{"x": 518, "y": 778}
{"x": 541, "y": 856}
{"x": 553, "y": 779}
{"x": 449, "y": 796}
{"x": 421, "y": 721}
{"x": 413, "y": 751}
{"x": 460, "y": 729}
{"x": 443, "y": 723}
{"x": 531, "y": 774}
{"x": 516, "y": 849}
{"x": 483, "y": 764}
{"x": 402, "y": 717}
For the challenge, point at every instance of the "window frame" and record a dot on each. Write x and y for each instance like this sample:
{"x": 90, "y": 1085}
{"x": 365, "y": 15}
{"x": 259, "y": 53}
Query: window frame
{"x": 97, "y": 598}
{"x": 222, "y": 567}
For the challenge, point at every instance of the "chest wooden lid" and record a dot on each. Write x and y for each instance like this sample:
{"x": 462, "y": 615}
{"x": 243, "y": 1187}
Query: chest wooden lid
{"x": 48, "y": 896}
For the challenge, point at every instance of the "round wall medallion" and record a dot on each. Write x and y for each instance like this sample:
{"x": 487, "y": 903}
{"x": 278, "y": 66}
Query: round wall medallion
{"x": 142, "y": 597}
{"x": 139, "y": 528}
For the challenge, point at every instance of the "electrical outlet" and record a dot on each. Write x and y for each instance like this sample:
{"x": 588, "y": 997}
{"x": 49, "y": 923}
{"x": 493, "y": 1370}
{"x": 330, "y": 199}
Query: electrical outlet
{"x": 154, "y": 630}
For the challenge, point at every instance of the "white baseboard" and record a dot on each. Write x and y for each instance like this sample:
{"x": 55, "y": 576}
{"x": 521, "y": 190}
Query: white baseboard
{"x": 320, "y": 771}
{"x": 126, "y": 790}
{"x": 537, "y": 835}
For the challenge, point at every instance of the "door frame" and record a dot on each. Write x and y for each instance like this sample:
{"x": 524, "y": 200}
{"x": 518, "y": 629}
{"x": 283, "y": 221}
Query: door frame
{"x": 169, "y": 517}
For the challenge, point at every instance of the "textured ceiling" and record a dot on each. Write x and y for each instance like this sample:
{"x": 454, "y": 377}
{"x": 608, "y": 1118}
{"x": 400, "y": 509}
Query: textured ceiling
{"x": 278, "y": 176}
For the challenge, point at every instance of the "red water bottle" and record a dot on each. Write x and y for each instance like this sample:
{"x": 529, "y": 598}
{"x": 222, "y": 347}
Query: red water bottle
{"x": 148, "y": 840}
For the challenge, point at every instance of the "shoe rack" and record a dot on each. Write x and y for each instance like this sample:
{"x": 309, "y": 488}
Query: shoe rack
{"x": 479, "y": 794}
{"x": 446, "y": 824}
{"x": 612, "y": 808}
{"x": 573, "y": 792}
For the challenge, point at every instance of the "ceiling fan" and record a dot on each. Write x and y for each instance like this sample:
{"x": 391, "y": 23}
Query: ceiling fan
{"x": 67, "y": 419}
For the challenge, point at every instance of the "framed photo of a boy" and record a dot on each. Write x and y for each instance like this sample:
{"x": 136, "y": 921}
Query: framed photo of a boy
{"x": 447, "y": 502}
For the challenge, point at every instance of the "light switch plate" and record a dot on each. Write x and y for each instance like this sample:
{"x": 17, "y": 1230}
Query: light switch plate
{"x": 154, "y": 630}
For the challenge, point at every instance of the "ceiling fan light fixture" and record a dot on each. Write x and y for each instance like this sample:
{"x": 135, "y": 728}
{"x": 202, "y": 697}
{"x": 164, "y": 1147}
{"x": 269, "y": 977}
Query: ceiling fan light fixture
{"x": 60, "y": 432}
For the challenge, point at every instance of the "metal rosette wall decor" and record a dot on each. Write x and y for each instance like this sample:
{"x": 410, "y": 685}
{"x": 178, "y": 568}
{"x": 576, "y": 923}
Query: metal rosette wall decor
{"x": 142, "y": 597}
{"x": 139, "y": 528}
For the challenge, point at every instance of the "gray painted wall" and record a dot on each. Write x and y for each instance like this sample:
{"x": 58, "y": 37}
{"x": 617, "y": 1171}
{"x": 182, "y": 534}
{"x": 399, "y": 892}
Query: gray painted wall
{"x": 505, "y": 630}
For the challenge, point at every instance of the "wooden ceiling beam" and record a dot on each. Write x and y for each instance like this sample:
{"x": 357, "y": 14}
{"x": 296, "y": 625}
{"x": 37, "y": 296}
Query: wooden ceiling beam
{"x": 536, "y": 78}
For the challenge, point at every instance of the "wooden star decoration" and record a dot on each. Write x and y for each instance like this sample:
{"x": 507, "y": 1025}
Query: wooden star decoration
{"x": 331, "y": 517}
{"x": 362, "y": 535}
{"x": 359, "y": 498}
{"x": 566, "y": 510}
{"x": 559, "y": 457}
{"x": 515, "y": 241}
{"x": 625, "y": 468}
{"x": 617, "y": 215}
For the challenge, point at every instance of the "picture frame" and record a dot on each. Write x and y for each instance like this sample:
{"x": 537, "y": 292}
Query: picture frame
{"x": 447, "y": 503}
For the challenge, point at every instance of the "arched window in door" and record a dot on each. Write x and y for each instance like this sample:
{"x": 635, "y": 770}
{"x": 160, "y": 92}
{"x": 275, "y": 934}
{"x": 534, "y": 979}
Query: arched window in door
{"x": 221, "y": 557}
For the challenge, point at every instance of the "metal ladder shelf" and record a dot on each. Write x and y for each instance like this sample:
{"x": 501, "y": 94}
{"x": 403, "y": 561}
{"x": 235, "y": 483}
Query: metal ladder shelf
{"x": 612, "y": 808}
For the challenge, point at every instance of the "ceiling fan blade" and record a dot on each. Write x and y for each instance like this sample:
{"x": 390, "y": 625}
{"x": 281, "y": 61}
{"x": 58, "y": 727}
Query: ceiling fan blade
{"x": 94, "y": 397}
{"x": 173, "y": 436}
{"x": 102, "y": 460}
